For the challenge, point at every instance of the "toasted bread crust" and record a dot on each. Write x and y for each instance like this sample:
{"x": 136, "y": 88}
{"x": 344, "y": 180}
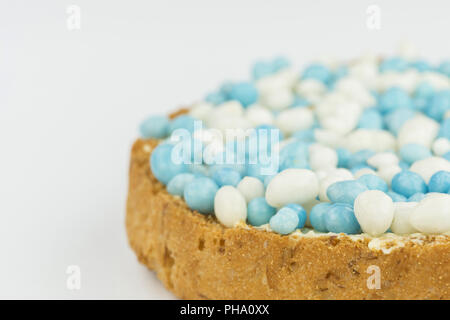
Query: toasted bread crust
{"x": 197, "y": 258}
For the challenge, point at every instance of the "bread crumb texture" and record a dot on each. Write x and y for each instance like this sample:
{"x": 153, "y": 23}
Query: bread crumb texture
{"x": 197, "y": 258}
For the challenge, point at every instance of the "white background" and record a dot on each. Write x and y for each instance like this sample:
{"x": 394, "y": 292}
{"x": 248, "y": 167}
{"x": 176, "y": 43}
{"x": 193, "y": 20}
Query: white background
{"x": 70, "y": 103}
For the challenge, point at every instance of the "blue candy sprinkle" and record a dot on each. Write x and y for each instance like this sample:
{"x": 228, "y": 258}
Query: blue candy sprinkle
{"x": 394, "y": 98}
{"x": 182, "y": 122}
{"x": 300, "y": 102}
{"x": 444, "y": 68}
{"x": 339, "y": 73}
{"x": 355, "y": 169}
{"x": 444, "y": 131}
{"x": 215, "y": 98}
{"x": 226, "y": 177}
{"x": 424, "y": 92}
{"x": 394, "y": 64}
{"x": 413, "y": 152}
{"x": 439, "y": 104}
{"x": 264, "y": 135}
{"x": 177, "y": 184}
{"x": 396, "y": 197}
{"x": 344, "y": 156}
{"x": 316, "y": 124}
{"x": 295, "y": 155}
{"x": 341, "y": 218}
{"x": 229, "y": 159}
{"x": 280, "y": 63}
{"x": 403, "y": 165}
{"x": 155, "y": 127}
{"x": 345, "y": 191}
{"x": 446, "y": 156}
{"x": 284, "y": 221}
{"x": 244, "y": 92}
{"x": 373, "y": 182}
{"x": 188, "y": 149}
{"x": 408, "y": 183}
{"x": 318, "y": 72}
{"x": 360, "y": 158}
{"x": 225, "y": 89}
{"x": 300, "y": 212}
{"x": 416, "y": 197}
{"x": 439, "y": 182}
{"x": 199, "y": 194}
{"x": 259, "y": 143}
{"x": 199, "y": 169}
{"x": 317, "y": 216}
{"x": 421, "y": 65}
{"x": 371, "y": 119}
{"x": 265, "y": 68}
{"x": 262, "y": 69}
{"x": 259, "y": 212}
{"x": 261, "y": 170}
{"x": 267, "y": 179}
{"x": 395, "y": 119}
{"x": 164, "y": 164}
{"x": 304, "y": 135}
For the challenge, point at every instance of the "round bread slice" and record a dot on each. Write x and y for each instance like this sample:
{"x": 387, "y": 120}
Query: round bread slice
{"x": 197, "y": 258}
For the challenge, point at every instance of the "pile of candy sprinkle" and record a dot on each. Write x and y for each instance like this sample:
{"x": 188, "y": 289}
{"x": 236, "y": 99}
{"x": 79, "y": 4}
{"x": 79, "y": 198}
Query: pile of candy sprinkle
{"x": 359, "y": 147}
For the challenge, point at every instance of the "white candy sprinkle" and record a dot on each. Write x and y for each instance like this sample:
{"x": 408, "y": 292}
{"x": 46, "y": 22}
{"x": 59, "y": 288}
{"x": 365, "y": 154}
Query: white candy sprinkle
{"x": 365, "y": 70}
{"x": 328, "y": 138}
{"x": 322, "y": 157}
{"x": 432, "y": 214}
{"x": 407, "y": 80}
{"x": 437, "y": 80}
{"x": 288, "y": 77}
{"x": 383, "y": 159}
{"x": 420, "y": 129}
{"x": 228, "y": 123}
{"x": 355, "y": 90}
{"x": 388, "y": 172}
{"x": 208, "y": 136}
{"x": 311, "y": 89}
{"x": 338, "y": 113}
{"x": 432, "y": 194}
{"x": 402, "y": 214}
{"x": 258, "y": 115}
{"x": 374, "y": 211}
{"x": 321, "y": 174}
{"x": 294, "y": 119}
{"x": 284, "y": 79}
{"x": 292, "y": 186}
{"x": 363, "y": 171}
{"x": 429, "y": 166}
{"x": 250, "y": 188}
{"x": 328, "y": 61}
{"x": 376, "y": 140}
{"x": 278, "y": 100}
{"x": 339, "y": 123}
{"x": 441, "y": 146}
{"x": 342, "y": 172}
{"x": 231, "y": 108}
{"x": 338, "y": 172}
{"x": 230, "y": 207}
{"x": 211, "y": 151}
{"x": 201, "y": 110}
